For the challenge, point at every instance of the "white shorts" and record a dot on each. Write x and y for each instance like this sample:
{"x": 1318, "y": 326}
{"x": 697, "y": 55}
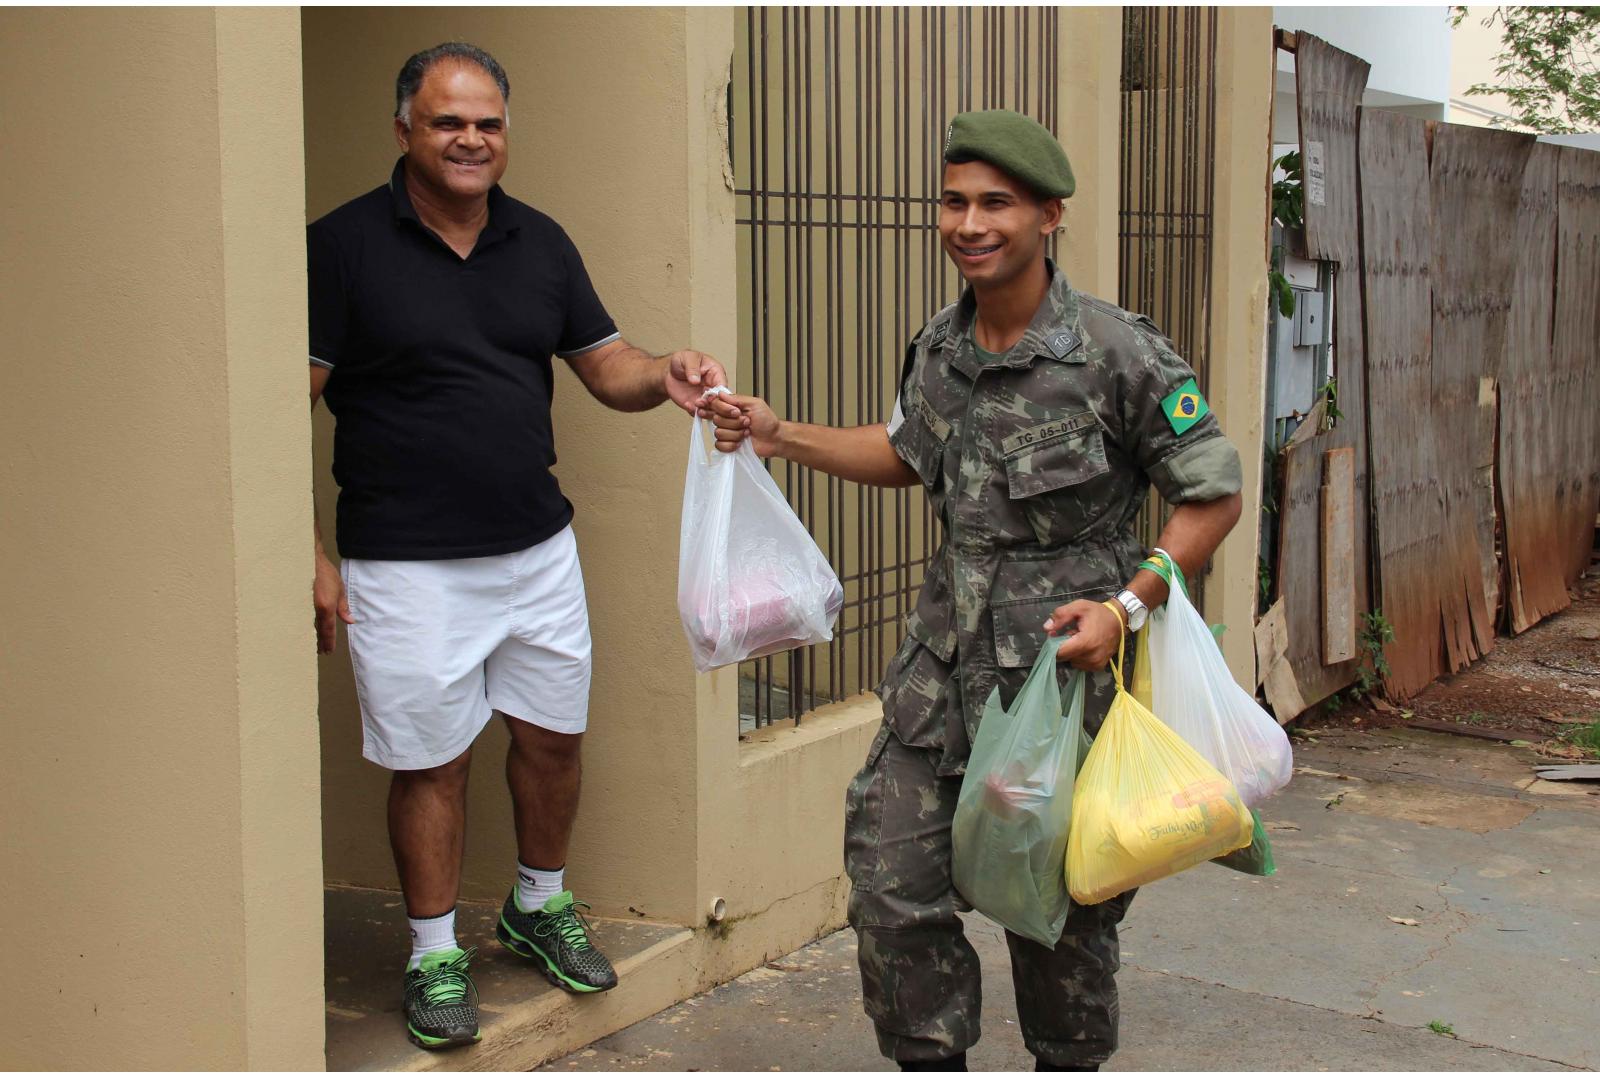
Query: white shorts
{"x": 438, "y": 645}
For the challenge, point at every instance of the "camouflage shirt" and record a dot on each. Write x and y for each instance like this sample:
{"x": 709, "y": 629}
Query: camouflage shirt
{"x": 1036, "y": 463}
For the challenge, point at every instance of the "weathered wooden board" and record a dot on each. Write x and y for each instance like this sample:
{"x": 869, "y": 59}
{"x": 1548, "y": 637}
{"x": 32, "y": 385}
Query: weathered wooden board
{"x": 1329, "y": 83}
{"x": 1577, "y": 354}
{"x": 1529, "y": 457}
{"x": 1476, "y": 184}
{"x": 1273, "y": 667}
{"x": 1338, "y": 556}
{"x": 1329, "y": 86}
{"x": 1407, "y": 502}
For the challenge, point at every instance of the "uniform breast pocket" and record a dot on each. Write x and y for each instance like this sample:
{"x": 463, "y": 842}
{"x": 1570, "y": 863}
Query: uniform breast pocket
{"x": 1055, "y": 472}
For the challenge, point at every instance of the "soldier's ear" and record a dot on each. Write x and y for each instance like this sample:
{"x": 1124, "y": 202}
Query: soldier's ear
{"x": 1052, "y": 216}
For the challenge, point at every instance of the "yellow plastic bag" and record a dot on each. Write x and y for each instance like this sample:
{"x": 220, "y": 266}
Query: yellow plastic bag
{"x": 1141, "y": 687}
{"x": 1146, "y": 805}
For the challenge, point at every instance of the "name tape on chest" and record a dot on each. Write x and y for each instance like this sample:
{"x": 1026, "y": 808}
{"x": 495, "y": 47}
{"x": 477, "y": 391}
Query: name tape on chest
{"x": 1044, "y": 434}
{"x": 919, "y": 406}
{"x": 1185, "y": 407}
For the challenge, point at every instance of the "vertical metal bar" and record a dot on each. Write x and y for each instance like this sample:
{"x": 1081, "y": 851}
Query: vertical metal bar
{"x": 799, "y": 703}
{"x": 898, "y": 68}
{"x": 1024, "y": 42}
{"x": 763, "y": 373}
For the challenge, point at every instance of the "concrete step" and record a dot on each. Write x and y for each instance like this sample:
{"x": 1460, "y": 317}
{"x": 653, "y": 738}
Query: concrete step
{"x": 524, "y": 1019}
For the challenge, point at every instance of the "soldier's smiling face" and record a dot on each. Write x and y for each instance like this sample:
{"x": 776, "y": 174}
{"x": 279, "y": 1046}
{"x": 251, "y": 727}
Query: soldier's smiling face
{"x": 992, "y": 225}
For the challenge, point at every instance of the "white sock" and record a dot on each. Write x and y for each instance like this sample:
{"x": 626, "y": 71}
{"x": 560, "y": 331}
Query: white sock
{"x": 431, "y": 935}
{"x": 534, "y": 887}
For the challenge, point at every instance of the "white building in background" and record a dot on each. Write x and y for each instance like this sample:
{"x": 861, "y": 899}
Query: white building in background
{"x": 1420, "y": 65}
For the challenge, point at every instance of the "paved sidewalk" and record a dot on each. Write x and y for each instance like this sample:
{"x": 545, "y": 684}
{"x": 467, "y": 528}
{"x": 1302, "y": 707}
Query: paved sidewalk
{"x": 1306, "y": 970}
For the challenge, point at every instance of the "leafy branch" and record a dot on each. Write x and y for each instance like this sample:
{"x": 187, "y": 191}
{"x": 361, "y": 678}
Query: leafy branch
{"x": 1546, "y": 66}
{"x": 1288, "y": 210}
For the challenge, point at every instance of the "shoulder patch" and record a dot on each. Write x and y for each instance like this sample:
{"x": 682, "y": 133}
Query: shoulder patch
{"x": 1185, "y": 407}
{"x": 941, "y": 330}
{"x": 1133, "y": 318}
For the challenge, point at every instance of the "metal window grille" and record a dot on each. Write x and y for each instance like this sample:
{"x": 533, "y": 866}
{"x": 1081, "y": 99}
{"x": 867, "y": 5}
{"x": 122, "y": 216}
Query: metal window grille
{"x": 1168, "y": 174}
{"x": 838, "y": 119}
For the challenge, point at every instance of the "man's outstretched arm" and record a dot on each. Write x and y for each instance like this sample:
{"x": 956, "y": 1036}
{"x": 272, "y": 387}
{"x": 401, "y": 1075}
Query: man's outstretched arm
{"x": 862, "y": 454}
{"x": 626, "y": 378}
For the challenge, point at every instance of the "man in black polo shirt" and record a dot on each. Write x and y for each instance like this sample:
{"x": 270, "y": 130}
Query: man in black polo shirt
{"x": 436, "y": 302}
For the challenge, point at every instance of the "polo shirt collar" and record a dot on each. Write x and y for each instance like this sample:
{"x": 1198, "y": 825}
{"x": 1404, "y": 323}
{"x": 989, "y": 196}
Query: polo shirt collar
{"x": 499, "y": 226}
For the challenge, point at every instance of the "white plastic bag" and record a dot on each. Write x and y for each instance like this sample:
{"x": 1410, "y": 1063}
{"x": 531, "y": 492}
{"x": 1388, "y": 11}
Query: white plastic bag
{"x": 1193, "y": 692}
{"x": 751, "y": 581}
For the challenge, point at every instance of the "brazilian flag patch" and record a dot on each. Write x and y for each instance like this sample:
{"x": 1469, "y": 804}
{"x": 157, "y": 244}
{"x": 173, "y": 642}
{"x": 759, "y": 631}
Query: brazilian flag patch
{"x": 1185, "y": 407}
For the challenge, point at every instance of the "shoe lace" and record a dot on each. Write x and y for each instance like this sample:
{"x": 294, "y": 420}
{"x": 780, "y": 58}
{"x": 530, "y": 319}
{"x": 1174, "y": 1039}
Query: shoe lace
{"x": 449, "y": 983}
{"x": 570, "y": 925}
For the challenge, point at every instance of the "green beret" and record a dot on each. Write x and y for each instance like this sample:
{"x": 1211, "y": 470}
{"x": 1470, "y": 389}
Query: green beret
{"x": 1016, "y": 145}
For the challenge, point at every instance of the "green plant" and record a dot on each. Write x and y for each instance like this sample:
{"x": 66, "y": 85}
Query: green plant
{"x": 1439, "y": 1027}
{"x": 1546, "y": 66}
{"x": 1375, "y": 633}
{"x": 1263, "y": 584}
{"x": 1329, "y": 392}
{"x": 1288, "y": 197}
{"x": 1281, "y": 290}
{"x": 1331, "y": 703}
{"x": 1288, "y": 210}
{"x": 1584, "y": 736}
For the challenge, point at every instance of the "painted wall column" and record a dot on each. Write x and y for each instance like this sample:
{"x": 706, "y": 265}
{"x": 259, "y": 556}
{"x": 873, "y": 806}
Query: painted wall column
{"x": 159, "y": 790}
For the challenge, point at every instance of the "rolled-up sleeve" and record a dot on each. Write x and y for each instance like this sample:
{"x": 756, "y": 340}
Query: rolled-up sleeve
{"x": 1197, "y": 464}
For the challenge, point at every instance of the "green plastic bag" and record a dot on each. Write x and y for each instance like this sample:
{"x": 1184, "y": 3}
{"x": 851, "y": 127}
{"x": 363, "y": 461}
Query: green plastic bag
{"x": 1255, "y": 859}
{"x": 1009, "y": 832}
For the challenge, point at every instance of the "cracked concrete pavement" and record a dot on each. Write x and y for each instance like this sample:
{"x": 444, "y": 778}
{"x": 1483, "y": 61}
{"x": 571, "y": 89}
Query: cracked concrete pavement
{"x": 1310, "y": 969}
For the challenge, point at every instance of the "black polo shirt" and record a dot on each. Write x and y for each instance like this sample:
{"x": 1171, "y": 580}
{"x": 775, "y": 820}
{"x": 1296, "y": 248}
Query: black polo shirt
{"x": 442, "y": 379}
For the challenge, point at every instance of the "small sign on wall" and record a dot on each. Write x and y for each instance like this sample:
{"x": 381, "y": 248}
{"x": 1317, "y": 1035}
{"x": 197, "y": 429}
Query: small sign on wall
{"x": 1316, "y": 174}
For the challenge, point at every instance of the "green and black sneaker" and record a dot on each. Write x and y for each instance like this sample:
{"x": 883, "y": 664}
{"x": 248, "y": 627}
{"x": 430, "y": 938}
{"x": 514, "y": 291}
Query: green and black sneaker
{"x": 441, "y": 1001}
{"x": 557, "y": 935}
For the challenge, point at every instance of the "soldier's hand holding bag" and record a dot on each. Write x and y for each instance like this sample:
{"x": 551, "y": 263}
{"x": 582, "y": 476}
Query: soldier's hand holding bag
{"x": 751, "y": 581}
{"x": 1146, "y": 806}
{"x": 1009, "y": 831}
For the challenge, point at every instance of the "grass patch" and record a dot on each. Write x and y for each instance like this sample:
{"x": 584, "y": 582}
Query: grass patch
{"x": 1439, "y": 1027}
{"x": 1584, "y": 736}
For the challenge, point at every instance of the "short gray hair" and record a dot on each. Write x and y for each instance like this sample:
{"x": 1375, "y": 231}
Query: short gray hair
{"x": 414, "y": 69}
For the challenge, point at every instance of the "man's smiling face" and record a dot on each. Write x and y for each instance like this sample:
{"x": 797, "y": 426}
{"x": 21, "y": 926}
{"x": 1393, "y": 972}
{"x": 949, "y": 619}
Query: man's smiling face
{"x": 993, "y": 227}
{"x": 455, "y": 146}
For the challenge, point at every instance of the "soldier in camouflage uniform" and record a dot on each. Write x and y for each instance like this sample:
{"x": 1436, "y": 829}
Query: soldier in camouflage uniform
{"x": 1036, "y": 454}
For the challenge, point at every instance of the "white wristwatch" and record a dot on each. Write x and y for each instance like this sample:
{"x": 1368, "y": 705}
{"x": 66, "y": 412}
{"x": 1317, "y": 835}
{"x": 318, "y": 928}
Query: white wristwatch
{"x": 1135, "y": 609}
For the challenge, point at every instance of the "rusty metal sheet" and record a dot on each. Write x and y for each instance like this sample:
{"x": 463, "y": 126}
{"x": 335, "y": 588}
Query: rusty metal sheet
{"x": 1528, "y": 457}
{"x": 1576, "y": 354}
{"x": 1407, "y": 503}
{"x": 1476, "y": 184}
{"x": 1328, "y": 86}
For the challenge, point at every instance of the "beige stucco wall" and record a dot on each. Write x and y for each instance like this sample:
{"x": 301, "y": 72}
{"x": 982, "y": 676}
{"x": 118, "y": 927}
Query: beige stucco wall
{"x": 1239, "y": 308}
{"x": 159, "y": 789}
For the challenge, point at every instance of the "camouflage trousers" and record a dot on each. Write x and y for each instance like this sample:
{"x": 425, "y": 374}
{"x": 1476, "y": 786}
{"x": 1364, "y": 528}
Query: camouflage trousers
{"x": 919, "y": 974}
